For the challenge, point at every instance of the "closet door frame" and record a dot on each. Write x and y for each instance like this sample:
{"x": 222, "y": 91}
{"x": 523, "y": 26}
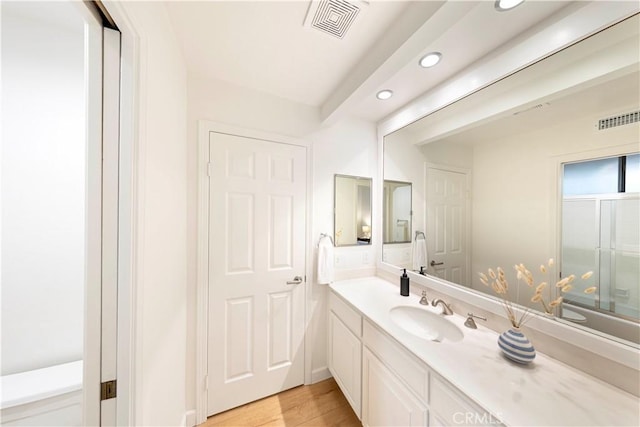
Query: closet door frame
{"x": 128, "y": 317}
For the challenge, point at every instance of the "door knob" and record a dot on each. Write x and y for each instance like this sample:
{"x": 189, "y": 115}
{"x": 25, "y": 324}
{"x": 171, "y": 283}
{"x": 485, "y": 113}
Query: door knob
{"x": 433, "y": 263}
{"x": 296, "y": 281}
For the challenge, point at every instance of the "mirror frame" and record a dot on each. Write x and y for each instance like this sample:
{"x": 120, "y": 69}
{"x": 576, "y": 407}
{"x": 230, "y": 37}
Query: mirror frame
{"x": 500, "y": 66}
{"x": 335, "y": 202}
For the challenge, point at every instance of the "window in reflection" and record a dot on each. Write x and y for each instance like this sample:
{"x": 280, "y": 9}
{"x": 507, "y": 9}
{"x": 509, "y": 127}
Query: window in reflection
{"x": 602, "y": 176}
{"x": 592, "y": 177}
{"x": 632, "y": 174}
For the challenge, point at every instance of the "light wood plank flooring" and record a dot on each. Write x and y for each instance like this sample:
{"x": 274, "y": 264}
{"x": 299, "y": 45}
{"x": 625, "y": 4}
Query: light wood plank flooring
{"x": 320, "y": 404}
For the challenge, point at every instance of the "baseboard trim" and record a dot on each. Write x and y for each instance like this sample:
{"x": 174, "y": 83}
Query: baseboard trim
{"x": 320, "y": 374}
{"x": 189, "y": 418}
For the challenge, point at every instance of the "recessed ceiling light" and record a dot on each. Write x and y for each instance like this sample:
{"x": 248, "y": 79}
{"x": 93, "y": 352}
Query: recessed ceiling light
{"x": 384, "y": 94}
{"x": 503, "y": 5}
{"x": 430, "y": 59}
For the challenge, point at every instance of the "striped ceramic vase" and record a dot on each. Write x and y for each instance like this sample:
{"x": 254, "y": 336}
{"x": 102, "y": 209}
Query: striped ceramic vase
{"x": 516, "y": 346}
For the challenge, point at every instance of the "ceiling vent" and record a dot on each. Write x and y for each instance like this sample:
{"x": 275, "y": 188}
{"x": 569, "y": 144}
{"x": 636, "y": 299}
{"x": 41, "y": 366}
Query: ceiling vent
{"x": 622, "y": 119}
{"x": 333, "y": 17}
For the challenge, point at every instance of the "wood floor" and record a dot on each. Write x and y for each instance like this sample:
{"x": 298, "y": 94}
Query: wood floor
{"x": 320, "y": 404}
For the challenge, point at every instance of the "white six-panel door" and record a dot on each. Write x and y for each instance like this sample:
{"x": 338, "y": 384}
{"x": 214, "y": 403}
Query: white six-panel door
{"x": 257, "y": 218}
{"x": 447, "y": 224}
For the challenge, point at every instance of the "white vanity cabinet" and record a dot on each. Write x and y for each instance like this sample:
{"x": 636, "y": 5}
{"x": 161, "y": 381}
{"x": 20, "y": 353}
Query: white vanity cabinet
{"x": 450, "y": 407}
{"x": 385, "y": 383}
{"x": 394, "y": 384}
{"x": 386, "y": 401}
{"x": 400, "y": 389}
{"x": 407, "y": 379}
{"x": 345, "y": 350}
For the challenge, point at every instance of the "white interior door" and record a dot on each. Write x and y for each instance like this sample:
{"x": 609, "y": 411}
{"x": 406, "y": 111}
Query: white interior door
{"x": 256, "y": 251}
{"x": 447, "y": 224}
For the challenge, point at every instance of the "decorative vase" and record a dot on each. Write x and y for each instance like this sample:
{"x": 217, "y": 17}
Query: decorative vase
{"x": 516, "y": 346}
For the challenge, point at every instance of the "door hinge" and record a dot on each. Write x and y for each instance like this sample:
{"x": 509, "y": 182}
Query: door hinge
{"x": 108, "y": 390}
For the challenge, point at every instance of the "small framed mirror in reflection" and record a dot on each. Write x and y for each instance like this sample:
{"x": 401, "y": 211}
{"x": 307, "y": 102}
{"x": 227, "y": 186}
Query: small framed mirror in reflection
{"x": 352, "y": 210}
{"x": 396, "y": 212}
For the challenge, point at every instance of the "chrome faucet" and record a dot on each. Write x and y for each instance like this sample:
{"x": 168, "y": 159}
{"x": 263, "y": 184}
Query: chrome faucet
{"x": 446, "y": 310}
{"x": 470, "y": 323}
{"x": 423, "y": 300}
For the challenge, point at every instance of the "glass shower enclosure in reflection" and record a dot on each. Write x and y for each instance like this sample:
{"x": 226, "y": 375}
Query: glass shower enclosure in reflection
{"x": 601, "y": 233}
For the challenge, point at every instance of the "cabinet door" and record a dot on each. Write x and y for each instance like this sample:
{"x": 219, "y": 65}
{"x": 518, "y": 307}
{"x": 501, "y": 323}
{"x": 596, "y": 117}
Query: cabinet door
{"x": 385, "y": 400}
{"x": 345, "y": 360}
{"x": 448, "y": 406}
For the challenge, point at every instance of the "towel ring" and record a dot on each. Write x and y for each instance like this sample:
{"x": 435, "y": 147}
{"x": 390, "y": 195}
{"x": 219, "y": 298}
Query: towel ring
{"x": 323, "y": 235}
{"x": 418, "y": 234}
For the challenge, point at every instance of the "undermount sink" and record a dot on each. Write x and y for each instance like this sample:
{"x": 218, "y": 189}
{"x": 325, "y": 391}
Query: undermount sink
{"x": 425, "y": 324}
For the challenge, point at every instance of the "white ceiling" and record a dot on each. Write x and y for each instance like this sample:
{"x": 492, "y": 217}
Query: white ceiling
{"x": 263, "y": 45}
{"x": 466, "y": 40}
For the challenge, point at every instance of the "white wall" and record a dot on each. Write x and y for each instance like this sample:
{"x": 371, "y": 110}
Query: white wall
{"x": 230, "y": 104}
{"x": 448, "y": 154}
{"x": 161, "y": 220}
{"x": 43, "y": 176}
{"x": 349, "y": 148}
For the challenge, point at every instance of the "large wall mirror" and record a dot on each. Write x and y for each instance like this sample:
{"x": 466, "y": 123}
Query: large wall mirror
{"x": 352, "y": 208}
{"x": 512, "y": 174}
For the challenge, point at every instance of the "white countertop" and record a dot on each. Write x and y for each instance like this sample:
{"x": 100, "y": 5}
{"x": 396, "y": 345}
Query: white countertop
{"x": 544, "y": 393}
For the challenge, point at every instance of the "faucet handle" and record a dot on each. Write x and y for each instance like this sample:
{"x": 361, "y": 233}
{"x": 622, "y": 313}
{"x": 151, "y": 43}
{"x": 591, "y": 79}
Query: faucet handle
{"x": 470, "y": 323}
{"x": 423, "y": 300}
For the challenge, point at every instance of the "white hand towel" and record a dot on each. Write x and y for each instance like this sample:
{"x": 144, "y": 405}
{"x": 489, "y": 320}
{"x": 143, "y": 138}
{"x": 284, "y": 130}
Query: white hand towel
{"x": 325, "y": 261}
{"x": 419, "y": 253}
